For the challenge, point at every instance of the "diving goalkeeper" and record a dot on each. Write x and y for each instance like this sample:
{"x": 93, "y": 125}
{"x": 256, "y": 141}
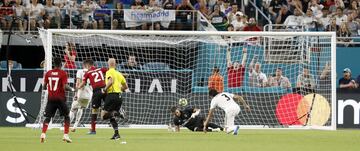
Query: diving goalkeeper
{"x": 190, "y": 118}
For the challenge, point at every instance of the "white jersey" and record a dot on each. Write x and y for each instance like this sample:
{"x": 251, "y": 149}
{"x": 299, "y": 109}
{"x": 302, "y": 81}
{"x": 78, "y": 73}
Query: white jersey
{"x": 224, "y": 101}
{"x": 86, "y": 91}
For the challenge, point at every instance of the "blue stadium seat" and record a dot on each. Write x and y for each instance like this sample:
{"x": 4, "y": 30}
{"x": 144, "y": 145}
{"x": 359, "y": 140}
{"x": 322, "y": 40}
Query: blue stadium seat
{"x": 155, "y": 66}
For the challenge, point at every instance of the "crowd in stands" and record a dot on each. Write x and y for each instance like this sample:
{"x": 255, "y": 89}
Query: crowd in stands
{"x": 106, "y": 14}
{"x": 236, "y": 73}
{"x": 341, "y": 16}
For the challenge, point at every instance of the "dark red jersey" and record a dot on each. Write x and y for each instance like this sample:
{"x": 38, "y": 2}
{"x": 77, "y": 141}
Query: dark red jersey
{"x": 56, "y": 80}
{"x": 96, "y": 77}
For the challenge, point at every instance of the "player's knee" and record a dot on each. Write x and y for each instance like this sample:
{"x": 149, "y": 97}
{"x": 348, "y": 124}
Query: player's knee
{"x": 66, "y": 118}
{"x": 105, "y": 115}
{"x": 95, "y": 111}
{"x": 74, "y": 109}
{"x": 47, "y": 120}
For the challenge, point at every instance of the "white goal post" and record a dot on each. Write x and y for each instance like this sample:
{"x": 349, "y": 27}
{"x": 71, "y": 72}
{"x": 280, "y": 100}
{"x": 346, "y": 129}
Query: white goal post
{"x": 298, "y": 90}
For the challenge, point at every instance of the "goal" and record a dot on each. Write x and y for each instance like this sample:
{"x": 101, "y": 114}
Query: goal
{"x": 288, "y": 78}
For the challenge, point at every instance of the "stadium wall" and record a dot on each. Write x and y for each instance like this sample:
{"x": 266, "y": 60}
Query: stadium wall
{"x": 27, "y": 84}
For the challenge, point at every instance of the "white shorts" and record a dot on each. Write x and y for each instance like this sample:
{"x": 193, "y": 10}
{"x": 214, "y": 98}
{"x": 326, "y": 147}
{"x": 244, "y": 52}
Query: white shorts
{"x": 80, "y": 103}
{"x": 230, "y": 116}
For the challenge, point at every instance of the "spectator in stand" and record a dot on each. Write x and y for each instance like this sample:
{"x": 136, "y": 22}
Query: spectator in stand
{"x": 6, "y": 14}
{"x": 61, "y": 5}
{"x": 70, "y": 56}
{"x": 184, "y": 15}
{"x": 353, "y": 7}
{"x": 20, "y": 13}
{"x": 305, "y": 80}
{"x": 102, "y": 15}
{"x": 225, "y": 7}
{"x": 232, "y": 15}
{"x": 52, "y": 15}
{"x": 240, "y": 21}
{"x": 343, "y": 34}
{"x": 353, "y": 26}
{"x": 139, "y": 4}
{"x": 305, "y": 4}
{"x": 325, "y": 74}
{"x": 201, "y": 6}
{"x": 216, "y": 80}
{"x": 347, "y": 82}
{"x": 252, "y": 25}
{"x": 333, "y": 26}
{"x": 294, "y": 21}
{"x": 328, "y": 4}
{"x": 279, "y": 80}
{"x": 218, "y": 19}
{"x": 87, "y": 9}
{"x": 324, "y": 20}
{"x": 256, "y": 77}
{"x": 235, "y": 70}
{"x": 154, "y": 5}
{"x": 340, "y": 16}
{"x": 131, "y": 64}
{"x": 283, "y": 14}
{"x": 309, "y": 21}
{"x": 118, "y": 17}
{"x": 274, "y": 9}
{"x": 339, "y": 4}
{"x": 169, "y": 4}
{"x": 295, "y": 4}
{"x": 37, "y": 12}
{"x": 316, "y": 8}
{"x": 71, "y": 11}
{"x": 230, "y": 27}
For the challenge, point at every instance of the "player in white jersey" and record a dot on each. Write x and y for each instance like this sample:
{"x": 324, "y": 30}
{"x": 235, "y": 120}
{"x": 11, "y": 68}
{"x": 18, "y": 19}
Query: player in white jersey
{"x": 226, "y": 101}
{"x": 81, "y": 99}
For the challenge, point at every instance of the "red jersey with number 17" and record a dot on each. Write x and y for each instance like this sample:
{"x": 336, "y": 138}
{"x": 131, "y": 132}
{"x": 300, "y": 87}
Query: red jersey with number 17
{"x": 96, "y": 77}
{"x": 56, "y": 80}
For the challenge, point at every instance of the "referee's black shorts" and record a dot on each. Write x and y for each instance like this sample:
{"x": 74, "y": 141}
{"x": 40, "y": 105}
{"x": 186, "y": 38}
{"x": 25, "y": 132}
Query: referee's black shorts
{"x": 113, "y": 102}
{"x": 56, "y": 104}
{"x": 97, "y": 98}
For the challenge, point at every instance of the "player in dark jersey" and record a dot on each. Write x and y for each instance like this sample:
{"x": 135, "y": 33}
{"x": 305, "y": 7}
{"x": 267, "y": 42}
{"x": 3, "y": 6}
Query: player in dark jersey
{"x": 55, "y": 81}
{"x": 190, "y": 118}
{"x": 96, "y": 76}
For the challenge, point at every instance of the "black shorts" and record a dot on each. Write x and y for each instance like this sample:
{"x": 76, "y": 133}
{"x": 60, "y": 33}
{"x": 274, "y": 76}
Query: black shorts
{"x": 97, "y": 97}
{"x": 197, "y": 122}
{"x": 113, "y": 102}
{"x": 53, "y": 105}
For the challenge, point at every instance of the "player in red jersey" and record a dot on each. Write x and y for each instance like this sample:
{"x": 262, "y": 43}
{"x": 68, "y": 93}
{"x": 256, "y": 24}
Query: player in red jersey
{"x": 55, "y": 81}
{"x": 96, "y": 76}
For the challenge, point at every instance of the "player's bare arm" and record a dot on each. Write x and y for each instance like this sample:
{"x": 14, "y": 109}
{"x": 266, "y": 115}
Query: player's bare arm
{"x": 124, "y": 87}
{"x": 81, "y": 85}
{"x": 240, "y": 99}
{"x": 177, "y": 128}
{"x": 109, "y": 83}
{"x": 208, "y": 118}
{"x": 68, "y": 88}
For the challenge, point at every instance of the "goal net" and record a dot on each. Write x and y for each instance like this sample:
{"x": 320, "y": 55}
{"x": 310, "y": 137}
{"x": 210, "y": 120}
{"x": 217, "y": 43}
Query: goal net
{"x": 286, "y": 77}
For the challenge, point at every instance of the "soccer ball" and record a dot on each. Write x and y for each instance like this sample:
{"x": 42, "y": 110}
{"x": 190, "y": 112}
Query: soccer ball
{"x": 183, "y": 102}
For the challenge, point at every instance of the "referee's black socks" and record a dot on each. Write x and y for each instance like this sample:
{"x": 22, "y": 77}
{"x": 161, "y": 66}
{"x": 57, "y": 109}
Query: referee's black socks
{"x": 114, "y": 124}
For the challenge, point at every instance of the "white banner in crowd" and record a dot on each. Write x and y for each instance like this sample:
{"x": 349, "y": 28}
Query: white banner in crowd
{"x": 135, "y": 18}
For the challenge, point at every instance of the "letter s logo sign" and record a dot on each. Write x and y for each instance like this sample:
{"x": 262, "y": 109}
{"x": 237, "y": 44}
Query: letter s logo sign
{"x": 14, "y": 109}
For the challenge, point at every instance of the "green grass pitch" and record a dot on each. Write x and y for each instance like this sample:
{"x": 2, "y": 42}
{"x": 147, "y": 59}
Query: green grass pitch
{"x": 26, "y": 139}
